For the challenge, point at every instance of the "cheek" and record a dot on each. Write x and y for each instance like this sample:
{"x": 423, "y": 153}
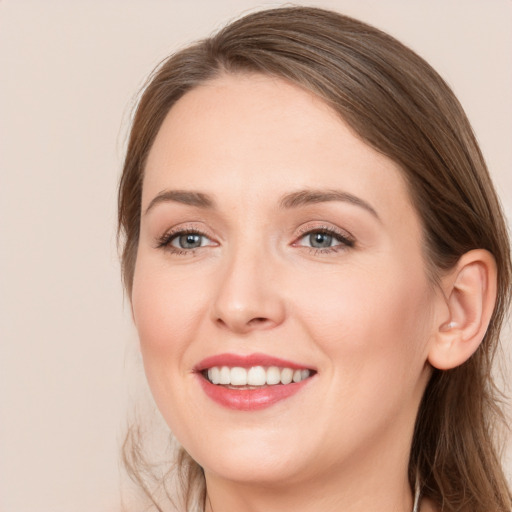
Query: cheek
{"x": 167, "y": 311}
{"x": 368, "y": 326}
{"x": 377, "y": 321}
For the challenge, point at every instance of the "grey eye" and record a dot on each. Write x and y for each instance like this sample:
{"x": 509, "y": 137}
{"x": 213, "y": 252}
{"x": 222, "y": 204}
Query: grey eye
{"x": 320, "y": 240}
{"x": 188, "y": 241}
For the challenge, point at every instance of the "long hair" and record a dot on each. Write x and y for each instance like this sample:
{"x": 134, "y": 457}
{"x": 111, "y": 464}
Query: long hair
{"x": 401, "y": 107}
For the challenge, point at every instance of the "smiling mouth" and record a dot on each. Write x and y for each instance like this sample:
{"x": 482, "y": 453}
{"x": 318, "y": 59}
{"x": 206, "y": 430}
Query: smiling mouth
{"x": 254, "y": 377}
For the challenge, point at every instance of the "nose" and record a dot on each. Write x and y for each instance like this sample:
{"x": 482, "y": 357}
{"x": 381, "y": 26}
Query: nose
{"x": 248, "y": 296}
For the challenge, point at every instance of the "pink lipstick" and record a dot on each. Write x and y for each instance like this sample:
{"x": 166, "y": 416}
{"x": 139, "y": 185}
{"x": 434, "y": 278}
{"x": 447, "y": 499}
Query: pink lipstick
{"x": 251, "y": 382}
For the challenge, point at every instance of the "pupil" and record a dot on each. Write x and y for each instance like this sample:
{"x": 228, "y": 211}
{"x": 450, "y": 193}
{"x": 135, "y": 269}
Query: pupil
{"x": 320, "y": 240}
{"x": 190, "y": 241}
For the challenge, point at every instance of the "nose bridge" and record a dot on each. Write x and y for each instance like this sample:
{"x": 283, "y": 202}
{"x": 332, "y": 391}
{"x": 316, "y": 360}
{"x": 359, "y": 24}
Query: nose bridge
{"x": 248, "y": 297}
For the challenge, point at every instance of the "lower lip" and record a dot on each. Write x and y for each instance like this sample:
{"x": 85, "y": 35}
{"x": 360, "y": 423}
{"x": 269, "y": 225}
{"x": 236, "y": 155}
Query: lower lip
{"x": 250, "y": 399}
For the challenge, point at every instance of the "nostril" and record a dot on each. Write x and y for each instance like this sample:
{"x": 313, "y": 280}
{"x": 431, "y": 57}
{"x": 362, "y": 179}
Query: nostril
{"x": 257, "y": 321}
{"x": 243, "y": 325}
{"x": 221, "y": 322}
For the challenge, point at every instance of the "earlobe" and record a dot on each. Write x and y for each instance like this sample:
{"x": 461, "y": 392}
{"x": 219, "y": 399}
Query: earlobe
{"x": 469, "y": 299}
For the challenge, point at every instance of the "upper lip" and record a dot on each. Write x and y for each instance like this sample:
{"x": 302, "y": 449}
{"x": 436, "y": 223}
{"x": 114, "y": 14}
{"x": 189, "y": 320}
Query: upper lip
{"x": 247, "y": 361}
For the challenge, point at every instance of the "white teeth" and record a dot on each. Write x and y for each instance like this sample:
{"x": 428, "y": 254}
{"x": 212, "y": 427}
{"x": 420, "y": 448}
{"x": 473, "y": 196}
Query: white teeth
{"x": 286, "y": 375}
{"x": 255, "y": 376}
{"x": 238, "y": 376}
{"x": 273, "y": 375}
{"x": 225, "y": 375}
{"x": 214, "y": 374}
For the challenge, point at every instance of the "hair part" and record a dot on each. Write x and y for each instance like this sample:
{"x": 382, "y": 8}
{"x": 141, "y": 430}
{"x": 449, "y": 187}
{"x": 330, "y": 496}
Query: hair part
{"x": 396, "y": 103}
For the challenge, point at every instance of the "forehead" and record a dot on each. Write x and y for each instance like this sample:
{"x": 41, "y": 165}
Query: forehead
{"x": 255, "y": 136}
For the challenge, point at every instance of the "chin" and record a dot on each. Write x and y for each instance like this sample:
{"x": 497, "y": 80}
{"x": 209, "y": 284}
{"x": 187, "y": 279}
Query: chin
{"x": 262, "y": 471}
{"x": 266, "y": 459}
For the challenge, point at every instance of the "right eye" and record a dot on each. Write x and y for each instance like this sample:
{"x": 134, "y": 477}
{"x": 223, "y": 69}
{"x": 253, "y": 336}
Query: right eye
{"x": 184, "y": 241}
{"x": 188, "y": 241}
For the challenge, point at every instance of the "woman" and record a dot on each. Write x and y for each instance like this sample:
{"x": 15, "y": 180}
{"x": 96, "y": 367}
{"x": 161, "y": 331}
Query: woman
{"x": 319, "y": 269}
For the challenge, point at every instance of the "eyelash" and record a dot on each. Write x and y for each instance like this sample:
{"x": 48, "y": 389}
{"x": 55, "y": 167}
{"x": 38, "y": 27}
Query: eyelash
{"x": 345, "y": 241}
{"x": 164, "y": 242}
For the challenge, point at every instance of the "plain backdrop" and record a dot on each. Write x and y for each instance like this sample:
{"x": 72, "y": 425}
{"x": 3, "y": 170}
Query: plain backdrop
{"x": 69, "y": 72}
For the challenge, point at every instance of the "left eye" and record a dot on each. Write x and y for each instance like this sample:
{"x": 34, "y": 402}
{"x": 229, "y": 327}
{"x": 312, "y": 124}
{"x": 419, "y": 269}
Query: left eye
{"x": 189, "y": 241}
{"x": 323, "y": 240}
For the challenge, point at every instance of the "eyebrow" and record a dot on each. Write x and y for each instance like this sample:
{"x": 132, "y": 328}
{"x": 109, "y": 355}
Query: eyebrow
{"x": 190, "y": 198}
{"x": 288, "y": 201}
{"x": 308, "y": 196}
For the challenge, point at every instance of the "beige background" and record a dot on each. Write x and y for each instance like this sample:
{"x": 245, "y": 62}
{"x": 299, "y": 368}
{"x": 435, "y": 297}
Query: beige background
{"x": 69, "y": 71}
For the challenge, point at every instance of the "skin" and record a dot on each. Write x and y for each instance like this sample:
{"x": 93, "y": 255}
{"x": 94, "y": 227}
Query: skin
{"x": 363, "y": 315}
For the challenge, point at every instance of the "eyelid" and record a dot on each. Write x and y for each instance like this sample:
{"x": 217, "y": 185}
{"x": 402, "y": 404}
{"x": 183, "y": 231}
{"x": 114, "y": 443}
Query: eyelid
{"x": 177, "y": 237}
{"x": 164, "y": 241}
{"x": 344, "y": 237}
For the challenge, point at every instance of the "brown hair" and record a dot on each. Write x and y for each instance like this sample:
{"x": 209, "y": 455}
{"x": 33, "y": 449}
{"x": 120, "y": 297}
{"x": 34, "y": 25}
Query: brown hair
{"x": 401, "y": 107}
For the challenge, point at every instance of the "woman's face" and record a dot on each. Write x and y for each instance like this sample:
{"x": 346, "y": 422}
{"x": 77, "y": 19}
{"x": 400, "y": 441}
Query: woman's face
{"x": 275, "y": 242}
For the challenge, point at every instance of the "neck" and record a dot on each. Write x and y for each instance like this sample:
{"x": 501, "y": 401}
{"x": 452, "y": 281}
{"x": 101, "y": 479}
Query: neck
{"x": 305, "y": 499}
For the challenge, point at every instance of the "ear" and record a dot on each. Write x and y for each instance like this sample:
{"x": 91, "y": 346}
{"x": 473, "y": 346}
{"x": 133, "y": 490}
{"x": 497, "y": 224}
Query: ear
{"x": 468, "y": 303}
